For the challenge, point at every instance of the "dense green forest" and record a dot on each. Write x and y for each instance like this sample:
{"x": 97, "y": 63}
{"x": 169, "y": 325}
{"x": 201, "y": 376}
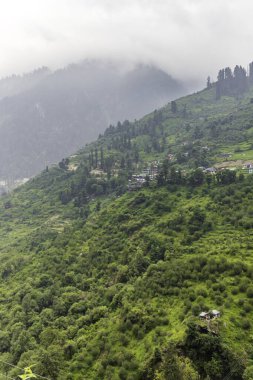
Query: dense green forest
{"x": 109, "y": 257}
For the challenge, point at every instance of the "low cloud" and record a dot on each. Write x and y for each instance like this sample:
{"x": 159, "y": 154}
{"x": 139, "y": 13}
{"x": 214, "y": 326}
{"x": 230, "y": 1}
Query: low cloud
{"x": 188, "y": 38}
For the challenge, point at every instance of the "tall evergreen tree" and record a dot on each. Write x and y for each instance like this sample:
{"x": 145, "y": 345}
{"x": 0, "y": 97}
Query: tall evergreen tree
{"x": 221, "y": 75}
{"x": 228, "y": 73}
{"x": 240, "y": 78}
{"x": 173, "y": 107}
{"x": 96, "y": 158}
{"x": 251, "y": 72}
{"x": 208, "y": 82}
{"x": 102, "y": 162}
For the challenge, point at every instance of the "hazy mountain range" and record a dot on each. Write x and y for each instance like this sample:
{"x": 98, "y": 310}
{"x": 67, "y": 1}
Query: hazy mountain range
{"x": 47, "y": 115}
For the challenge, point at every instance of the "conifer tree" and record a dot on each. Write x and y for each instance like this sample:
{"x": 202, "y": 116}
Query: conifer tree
{"x": 173, "y": 107}
{"x": 251, "y": 72}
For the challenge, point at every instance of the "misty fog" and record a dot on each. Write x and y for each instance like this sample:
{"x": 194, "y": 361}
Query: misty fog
{"x": 189, "y": 39}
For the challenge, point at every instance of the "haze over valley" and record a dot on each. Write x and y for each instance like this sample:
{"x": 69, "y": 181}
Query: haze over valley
{"x": 45, "y": 115}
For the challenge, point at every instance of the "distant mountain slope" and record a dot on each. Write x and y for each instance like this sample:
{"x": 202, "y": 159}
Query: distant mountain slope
{"x": 17, "y": 84}
{"x": 45, "y": 116}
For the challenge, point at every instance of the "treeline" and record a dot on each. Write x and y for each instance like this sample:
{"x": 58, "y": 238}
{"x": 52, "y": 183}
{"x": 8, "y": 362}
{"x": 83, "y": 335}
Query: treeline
{"x": 146, "y": 126}
{"x": 233, "y": 83}
{"x": 119, "y": 137}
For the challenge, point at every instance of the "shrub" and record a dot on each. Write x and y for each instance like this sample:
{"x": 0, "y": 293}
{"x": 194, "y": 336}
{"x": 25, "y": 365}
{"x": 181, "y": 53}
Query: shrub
{"x": 196, "y": 309}
{"x": 246, "y": 325}
{"x": 235, "y": 290}
{"x": 202, "y": 292}
{"x": 219, "y": 300}
{"x": 250, "y": 292}
{"x": 240, "y": 302}
{"x": 244, "y": 285}
{"x": 247, "y": 307}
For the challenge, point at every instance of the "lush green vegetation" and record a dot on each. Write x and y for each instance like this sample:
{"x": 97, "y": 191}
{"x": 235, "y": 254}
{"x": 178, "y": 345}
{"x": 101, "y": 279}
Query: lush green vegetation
{"x": 97, "y": 282}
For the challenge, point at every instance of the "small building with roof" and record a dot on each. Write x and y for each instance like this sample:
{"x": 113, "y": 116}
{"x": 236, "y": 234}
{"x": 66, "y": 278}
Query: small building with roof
{"x": 212, "y": 314}
{"x": 215, "y": 313}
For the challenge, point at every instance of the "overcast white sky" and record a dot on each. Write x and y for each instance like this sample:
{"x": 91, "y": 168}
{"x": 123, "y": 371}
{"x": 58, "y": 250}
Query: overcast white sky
{"x": 188, "y": 38}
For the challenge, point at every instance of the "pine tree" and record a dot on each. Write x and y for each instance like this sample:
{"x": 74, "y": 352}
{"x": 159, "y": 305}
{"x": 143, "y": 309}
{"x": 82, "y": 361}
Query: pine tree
{"x": 251, "y": 72}
{"x": 102, "y": 162}
{"x": 173, "y": 107}
{"x": 228, "y": 73}
{"x": 96, "y": 158}
{"x": 221, "y": 75}
{"x": 240, "y": 79}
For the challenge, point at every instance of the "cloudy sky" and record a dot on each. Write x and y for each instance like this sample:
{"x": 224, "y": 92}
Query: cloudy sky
{"x": 188, "y": 38}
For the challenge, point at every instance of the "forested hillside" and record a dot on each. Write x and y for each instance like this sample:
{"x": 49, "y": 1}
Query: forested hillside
{"x": 108, "y": 259}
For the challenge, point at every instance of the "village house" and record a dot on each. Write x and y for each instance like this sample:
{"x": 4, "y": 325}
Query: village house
{"x": 224, "y": 155}
{"x": 205, "y": 148}
{"x": 248, "y": 168}
{"x": 135, "y": 185}
{"x": 139, "y": 180}
{"x": 170, "y": 157}
{"x": 215, "y": 313}
{"x": 97, "y": 173}
{"x": 203, "y": 315}
{"x": 210, "y": 170}
{"x": 212, "y": 314}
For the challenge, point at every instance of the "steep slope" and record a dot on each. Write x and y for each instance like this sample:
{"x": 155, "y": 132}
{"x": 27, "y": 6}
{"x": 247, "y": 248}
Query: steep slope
{"x": 102, "y": 283}
{"x": 45, "y": 116}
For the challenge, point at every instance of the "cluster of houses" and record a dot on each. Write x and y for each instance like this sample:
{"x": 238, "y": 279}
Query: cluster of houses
{"x": 139, "y": 180}
{"x": 246, "y": 168}
{"x": 151, "y": 171}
